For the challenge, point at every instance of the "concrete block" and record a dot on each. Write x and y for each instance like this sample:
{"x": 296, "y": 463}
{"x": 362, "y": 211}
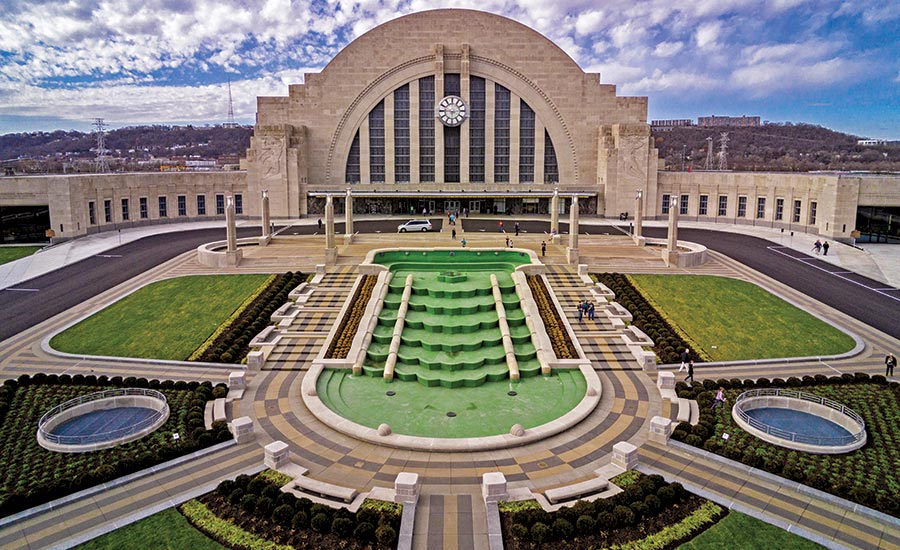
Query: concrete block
{"x": 277, "y": 455}
{"x": 407, "y": 487}
{"x": 242, "y": 430}
{"x": 236, "y": 380}
{"x": 666, "y": 381}
{"x": 256, "y": 359}
{"x": 625, "y": 455}
{"x": 660, "y": 430}
{"x": 493, "y": 487}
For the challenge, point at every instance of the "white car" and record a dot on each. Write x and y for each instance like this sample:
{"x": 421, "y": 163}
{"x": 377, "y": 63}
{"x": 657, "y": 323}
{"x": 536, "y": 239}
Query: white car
{"x": 414, "y": 225}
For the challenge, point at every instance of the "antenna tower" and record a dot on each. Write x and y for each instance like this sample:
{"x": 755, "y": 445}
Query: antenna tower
{"x": 723, "y": 151}
{"x": 102, "y": 161}
{"x": 709, "y": 153}
{"x": 230, "y": 123}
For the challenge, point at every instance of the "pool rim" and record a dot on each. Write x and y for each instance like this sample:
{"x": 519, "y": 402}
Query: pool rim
{"x": 801, "y": 401}
{"x": 102, "y": 400}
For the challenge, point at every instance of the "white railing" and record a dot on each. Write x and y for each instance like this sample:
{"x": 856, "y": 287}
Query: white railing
{"x": 795, "y": 437}
{"x": 159, "y": 412}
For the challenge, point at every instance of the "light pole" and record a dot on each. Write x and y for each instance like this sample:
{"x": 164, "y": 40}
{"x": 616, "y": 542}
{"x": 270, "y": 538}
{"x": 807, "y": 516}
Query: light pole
{"x": 683, "y": 149}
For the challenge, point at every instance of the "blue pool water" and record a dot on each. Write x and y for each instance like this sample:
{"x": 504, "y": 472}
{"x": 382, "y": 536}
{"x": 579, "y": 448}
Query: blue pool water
{"x": 93, "y": 425}
{"x": 798, "y": 422}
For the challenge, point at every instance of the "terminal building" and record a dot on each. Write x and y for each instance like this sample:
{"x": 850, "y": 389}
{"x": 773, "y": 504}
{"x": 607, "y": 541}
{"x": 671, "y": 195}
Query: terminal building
{"x": 448, "y": 110}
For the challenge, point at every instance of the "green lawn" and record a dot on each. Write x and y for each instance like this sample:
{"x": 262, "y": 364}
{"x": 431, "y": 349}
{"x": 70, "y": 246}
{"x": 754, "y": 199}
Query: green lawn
{"x": 12, "y": 253}
{"x": 165, "y": 320}
{"x": 165, "y": 530}
{"x": 739, "y": 531}
{"x": 731, "y": 319}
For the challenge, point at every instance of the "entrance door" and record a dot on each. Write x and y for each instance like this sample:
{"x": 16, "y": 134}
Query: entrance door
{"x": 475, "y": 207}
{"x": 430, "y": 207}
{"x": 452, "y": 206}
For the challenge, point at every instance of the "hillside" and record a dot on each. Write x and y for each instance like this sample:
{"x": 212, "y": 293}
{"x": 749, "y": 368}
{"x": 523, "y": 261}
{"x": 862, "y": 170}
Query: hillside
{"x": 776, "y": 147}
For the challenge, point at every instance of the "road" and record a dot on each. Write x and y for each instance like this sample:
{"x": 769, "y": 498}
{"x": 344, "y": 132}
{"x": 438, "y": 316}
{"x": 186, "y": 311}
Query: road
{"x": 59, "y": 290}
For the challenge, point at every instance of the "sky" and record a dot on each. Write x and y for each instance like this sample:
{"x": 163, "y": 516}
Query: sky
{"x": 64, "y": 63}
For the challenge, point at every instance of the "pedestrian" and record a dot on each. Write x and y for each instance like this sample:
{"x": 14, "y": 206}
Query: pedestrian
{"x": 685, "y": 357}
{"x": 543, "y": 248}
{"x": 889, "y": 363}
{"x": 453, "y": 234}
{"x": 500, "y": 226}
{"x": 720, "y": 398}
{"x": 507, "y": 241}
{"x": 580, "y": 309}
{"x": 517, "y": 229}
{"x": 320, "y": 224}
{"x": 510, "y": 242}
{"x": 825, "y": 246}
{"x": 452, "y": 219}
{"x": 690, "y": 374}
{"x": 817, "y": 246}
{"x": 590, "y": 311}
{"x": 463, "y": 243}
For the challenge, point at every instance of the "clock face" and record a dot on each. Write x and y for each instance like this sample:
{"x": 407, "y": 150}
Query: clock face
{"x": 452, "y": 110}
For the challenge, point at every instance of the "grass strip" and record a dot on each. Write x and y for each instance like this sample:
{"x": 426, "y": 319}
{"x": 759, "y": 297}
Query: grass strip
{"x": 702, "y": 518}
{"x": 223, "y": 530}
{"x": 165, "y": 320}
{"x": 732, "y": 319}
{"x": 737, "y": 530}
{"x": 167, "y": 529}
{"x": 13, "y": 253}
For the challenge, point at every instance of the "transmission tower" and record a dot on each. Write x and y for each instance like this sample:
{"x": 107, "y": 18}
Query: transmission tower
{"x": 101, "y": 163}
{"x": 230, "y": 123}
{"x": 709, "y": 153}
{"x": 723, "y": 151}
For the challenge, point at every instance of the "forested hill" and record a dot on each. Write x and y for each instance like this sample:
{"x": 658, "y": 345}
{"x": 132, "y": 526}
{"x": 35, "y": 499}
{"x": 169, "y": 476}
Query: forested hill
{"x": 134, "y": 141}
{"x": 776, "y": 147}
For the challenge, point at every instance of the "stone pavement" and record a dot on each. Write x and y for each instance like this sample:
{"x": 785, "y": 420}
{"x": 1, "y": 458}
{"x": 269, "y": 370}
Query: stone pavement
{"x": 451, "y": 513}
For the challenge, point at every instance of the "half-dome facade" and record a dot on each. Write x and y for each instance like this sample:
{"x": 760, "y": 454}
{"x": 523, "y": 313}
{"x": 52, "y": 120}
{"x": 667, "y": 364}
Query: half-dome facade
{"x": 451, "y": 110}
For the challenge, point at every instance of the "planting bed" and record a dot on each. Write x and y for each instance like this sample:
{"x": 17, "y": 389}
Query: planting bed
{"x": 867, "y": 476}
{"x": 33, "y": 475}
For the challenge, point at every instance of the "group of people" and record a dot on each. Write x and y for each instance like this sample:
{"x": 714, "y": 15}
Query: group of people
{"x": 819, "y": 246}
{"x": 585, "y": 308}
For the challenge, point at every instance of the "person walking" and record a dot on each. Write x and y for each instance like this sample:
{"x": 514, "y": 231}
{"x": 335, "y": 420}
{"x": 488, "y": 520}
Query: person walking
{"x": 590, "y": 311}
{"x": 507, "y": 241}
{"x": 510, "y": 242}
{"x": 543, "y": 248}
{"x": 825, "y": 246}
{"x": 889, "y": 363}
{"x": 320, "y": 224}
{"x": 720, "y": 398}
{"x": 500, "y": 226}
{"x": 817, "y": 247}
{"x": 453, "y": 234}
{"x": 517, "y": 229}
{"x": 580, "y": 309}
{"x": 690, "y": 374}
{"x": 685, "y": 357}
{"x": 463, "y": 243}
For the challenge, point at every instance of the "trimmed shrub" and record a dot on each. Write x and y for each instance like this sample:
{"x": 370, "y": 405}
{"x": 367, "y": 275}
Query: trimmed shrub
{"x": 342, "y": 527}
{"x": 320, "y": 523}
{"x": 386, "y": 535}
{"x": 624, "y": 515}
{"x": 520, "y": 532}
{"x": 300, "y": 520}
{"x": 562, "y": 529}
{"x": 283, "y": 515}
{"x": 540, "y": 532}
{"x": 364, "y": 531}
{"x": 248, "y": 503}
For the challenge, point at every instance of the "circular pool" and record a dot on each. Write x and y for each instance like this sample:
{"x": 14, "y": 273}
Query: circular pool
{"x": 102, "y": 419}
{"x": 799, "y": 420}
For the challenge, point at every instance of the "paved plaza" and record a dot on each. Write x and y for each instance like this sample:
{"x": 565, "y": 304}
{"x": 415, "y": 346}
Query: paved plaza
{"x": 451, "y": 512}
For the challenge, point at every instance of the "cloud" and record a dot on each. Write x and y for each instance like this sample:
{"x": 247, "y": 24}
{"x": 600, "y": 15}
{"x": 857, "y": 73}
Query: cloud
{"x": 765, "y": 79}
{"x": 707, "y": 34}
{"x": 668, "y": 49}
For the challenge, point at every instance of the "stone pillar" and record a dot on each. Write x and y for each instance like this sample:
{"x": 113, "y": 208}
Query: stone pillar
{"x": 572, "y": 251}
{"x": 236, "y": 380}
{"x": 330, "y": 249}
{"x": 625, "y": 455}
{"x": 278, "y": 455}
{"x": 554, "y": 216}
{"x": 639, "y": 218}
{"x": 406, "y": 487}
{"x": 660, "y": 430}
{"x": 348, "y": 218}
{"x": 242, "y": 430}
{"x": 264, "y": 221}
{"x": 233, "y": 254}
{"x": 493, "y": 487}
{"x": 672, "y": 241}
{"x": 666, "y": 381}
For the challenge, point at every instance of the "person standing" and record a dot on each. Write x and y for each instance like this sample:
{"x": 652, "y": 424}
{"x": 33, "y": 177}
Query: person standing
{"x": 889, "y": 363}
{"x": 590, "y": 311}
{"x": 825, "y": 246}
{"x": 453, "y": 234}
{"x": 320, "y": 224}
{"x": 507, "y": 241}
{"x": 720, "y": 398}
{"x": 517, "y": 229}
{"x": 463, "y": 243}
{"x": 685, "y": 357}
{"x": 690, "y": 374}
{"x": 543, "y": 248}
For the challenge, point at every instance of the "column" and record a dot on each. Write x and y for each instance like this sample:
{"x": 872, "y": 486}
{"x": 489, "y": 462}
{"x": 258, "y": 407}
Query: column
{"x": 515, "y": 118}
{"x": 414, "y": 150}
{"x": 330, "y": 249}
{"x": 390, "y": 172}
{"x": 438, "y": 127}
{"x": 264, "y": 221}
{"x": 638, "y": 235}
{"x": 671, "y": 255}
{"x": 233, "y": 254}
{"x": 572, "y": 251}
{"x": 489, "y": 114}
{"x": 348, "y": 218}
{"x": 464, "y": 89}
{"x": 554, "y": 216}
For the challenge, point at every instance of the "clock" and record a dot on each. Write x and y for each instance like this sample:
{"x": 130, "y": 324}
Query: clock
{"x": 452, "y": 111}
